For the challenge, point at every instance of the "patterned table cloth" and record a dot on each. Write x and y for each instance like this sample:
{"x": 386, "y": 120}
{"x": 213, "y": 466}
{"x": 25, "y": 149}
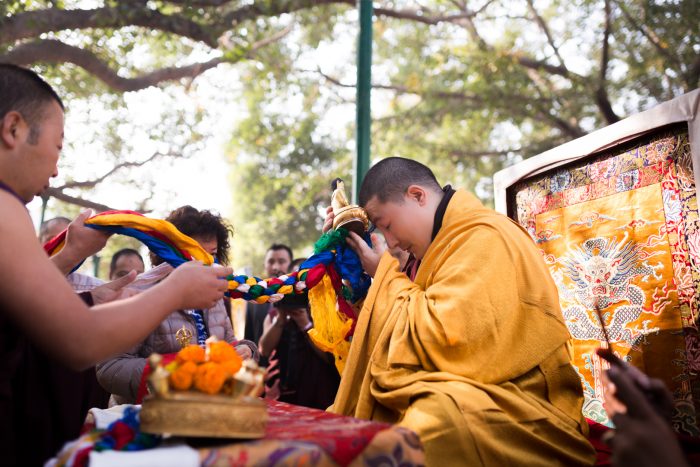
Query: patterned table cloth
{"x": 294, "y": 436}
{"x": 302, "y": 436}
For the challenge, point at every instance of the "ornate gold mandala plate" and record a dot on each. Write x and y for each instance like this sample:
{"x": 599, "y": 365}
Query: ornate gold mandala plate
{"x": 201, "y": 415}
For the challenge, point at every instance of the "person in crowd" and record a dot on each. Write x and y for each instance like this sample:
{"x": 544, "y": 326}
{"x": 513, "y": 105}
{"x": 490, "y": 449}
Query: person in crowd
{"x": 124, "y": 261}
{"x": 277, "y": 260}
{"x": 122, "y": 374}
{"x": 52, "y": 227}
{"x": 42, "y": 321}
{"x": 471, "y": 351}
{"x": 296, "y": 263}
{"x": 307, "y": 375}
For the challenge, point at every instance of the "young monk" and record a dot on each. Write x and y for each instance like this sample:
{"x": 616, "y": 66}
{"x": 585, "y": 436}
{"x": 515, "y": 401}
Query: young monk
{"x": 41, "y": 318}
{"x": 471, "y": 353}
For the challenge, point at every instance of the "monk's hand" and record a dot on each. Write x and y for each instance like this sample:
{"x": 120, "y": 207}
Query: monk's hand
{"x": 83, "y": 241}
{"x": 328, "y": 223}
{"x": 642, "y": 436}
{"x": 369, "y": 257}
{"x": 197, "y": 286}
{"x": 114, "y": 290}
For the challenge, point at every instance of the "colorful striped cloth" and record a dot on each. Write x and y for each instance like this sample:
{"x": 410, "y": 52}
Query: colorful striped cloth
{"x": 160, "y": 236}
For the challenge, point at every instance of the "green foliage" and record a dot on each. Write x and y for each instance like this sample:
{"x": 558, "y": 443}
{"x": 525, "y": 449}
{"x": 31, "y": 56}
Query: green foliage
{"x": 281, "y": 179}
{"x": 488, "y": 84}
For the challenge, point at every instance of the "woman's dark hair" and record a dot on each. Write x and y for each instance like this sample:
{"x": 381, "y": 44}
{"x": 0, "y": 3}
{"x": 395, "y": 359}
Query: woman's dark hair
{"x": 206, "y": 224}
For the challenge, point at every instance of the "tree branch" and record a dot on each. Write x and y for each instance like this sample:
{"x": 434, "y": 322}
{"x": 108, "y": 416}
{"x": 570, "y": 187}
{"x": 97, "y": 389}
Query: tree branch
{"x": 122, "y": 165}
{"x": 427, "y": 93}
{"x": 205, "y": 3}
{"x": 573, "y": 131}
{"x": 420, "y": 17}
{"x": 60, "y": 195}
{"x": 543, "y": 26}
{"x": 649, "y": 34}
{"x": 601, "y": 95}
{"x": 525, "y": 61}
{"x": 34, "y": 23}
{"x": 53, "y": 51}
{"x": 274, "y": 8}
{"x": 457, "y": 154}
{"x": 693, "y": 75}
{"x": 567, "y": 128}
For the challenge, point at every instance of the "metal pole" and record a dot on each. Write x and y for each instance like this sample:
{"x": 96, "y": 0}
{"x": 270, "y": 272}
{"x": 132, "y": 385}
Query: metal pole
{"x": 364, "y": 87}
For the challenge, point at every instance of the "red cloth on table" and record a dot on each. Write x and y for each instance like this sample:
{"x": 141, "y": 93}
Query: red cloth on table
{"x": 343, "y": 438}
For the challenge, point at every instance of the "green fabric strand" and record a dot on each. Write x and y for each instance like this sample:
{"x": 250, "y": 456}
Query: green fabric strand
{"x": 256, "y": 290}
{"x": 330, "y": 240}
{"x": 347, "y": 293}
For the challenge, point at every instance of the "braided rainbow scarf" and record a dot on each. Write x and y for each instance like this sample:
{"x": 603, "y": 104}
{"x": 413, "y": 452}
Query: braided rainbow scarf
{"x": 331, "y": 277}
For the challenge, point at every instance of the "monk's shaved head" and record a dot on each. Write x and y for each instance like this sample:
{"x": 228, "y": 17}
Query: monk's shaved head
{"x": 389, "y": 179}
{"x": 25, "y": 92}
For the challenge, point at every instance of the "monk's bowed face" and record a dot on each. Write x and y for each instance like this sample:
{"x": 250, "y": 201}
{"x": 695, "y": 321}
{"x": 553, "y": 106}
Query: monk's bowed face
{"x": 406, "y": 223}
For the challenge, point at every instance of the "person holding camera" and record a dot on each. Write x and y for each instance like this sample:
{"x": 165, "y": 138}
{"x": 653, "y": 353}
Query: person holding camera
{"x": 307, "y": 375}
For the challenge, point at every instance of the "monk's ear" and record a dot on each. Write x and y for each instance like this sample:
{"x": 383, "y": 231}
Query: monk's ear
{"x": 417, "y": 193}
{"x": 11, "y": 127}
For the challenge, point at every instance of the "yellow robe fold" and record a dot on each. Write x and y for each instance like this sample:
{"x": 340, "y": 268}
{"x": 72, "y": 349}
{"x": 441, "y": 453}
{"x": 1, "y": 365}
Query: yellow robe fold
{"x": 473, "y": 354}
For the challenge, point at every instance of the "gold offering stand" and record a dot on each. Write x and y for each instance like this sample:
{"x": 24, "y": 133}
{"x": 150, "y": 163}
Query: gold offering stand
{"x": 236, "y": 413}
{"x": 190, "y": 413}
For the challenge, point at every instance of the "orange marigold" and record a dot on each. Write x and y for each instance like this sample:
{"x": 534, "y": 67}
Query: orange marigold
{"x": 232, "y": 366}
{"x": 191, "y": 353}
{"x": 209, "y": 377}
{"x": 222, "y": 351}
{"x": 181, "y": 378}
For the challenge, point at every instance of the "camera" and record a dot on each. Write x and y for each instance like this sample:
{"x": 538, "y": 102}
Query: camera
{"x": 293, "y": 301}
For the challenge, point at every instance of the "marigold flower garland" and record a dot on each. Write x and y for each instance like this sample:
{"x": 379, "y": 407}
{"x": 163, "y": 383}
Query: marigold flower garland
{"x": 206, "y": 371}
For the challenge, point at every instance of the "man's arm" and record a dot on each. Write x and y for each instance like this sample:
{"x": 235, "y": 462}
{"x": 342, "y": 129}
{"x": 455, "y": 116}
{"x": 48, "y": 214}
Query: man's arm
{"x": 272, "y": 332}
{"x": 81, "y": 242}
{"x": 37, "y": 297}
{"x": 121, "y": 375}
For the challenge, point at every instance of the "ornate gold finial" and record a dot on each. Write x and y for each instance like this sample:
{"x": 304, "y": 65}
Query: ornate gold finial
{"x": 158, "y": 379}
{"x": 183, "y": 336}
{"x": 347, "y": 215}
{"x": 249, "y": 381}
{"x": 207, "y": 346}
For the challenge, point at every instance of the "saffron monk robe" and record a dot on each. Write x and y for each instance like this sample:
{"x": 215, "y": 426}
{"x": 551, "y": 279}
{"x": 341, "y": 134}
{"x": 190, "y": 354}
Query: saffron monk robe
{"x": 472, "y": 354}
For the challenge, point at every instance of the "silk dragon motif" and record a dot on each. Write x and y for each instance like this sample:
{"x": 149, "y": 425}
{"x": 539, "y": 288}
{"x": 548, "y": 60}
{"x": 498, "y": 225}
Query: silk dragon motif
{"x": 602, "y": 271}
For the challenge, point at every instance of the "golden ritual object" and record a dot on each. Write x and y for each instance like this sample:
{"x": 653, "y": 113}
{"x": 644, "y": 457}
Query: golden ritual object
{"x": 158, "y": 379}
{"x": 346, "y": 215}
{"x": 235, "y": 412}
{"x": 183, "y": 336}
